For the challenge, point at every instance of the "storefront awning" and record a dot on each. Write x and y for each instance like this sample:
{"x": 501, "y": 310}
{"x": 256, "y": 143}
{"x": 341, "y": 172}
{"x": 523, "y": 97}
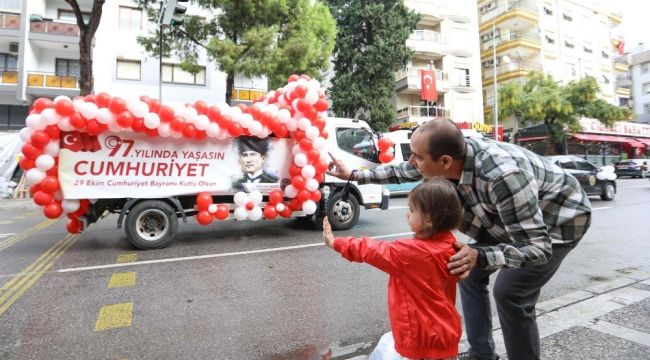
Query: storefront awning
{"x": 646, "y": 141}
{"x": 608, "y": 138}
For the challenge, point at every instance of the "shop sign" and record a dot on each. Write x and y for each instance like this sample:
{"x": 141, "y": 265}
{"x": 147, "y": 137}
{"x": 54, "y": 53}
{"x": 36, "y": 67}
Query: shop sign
{"x": 619, "y": 128}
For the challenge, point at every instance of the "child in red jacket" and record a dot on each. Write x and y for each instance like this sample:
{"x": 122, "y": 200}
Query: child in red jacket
{"x": 421, "y": 293}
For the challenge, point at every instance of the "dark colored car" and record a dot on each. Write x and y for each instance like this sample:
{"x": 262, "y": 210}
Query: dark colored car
{"x": 587, "y": 174}
{"x": 631, "y": 167}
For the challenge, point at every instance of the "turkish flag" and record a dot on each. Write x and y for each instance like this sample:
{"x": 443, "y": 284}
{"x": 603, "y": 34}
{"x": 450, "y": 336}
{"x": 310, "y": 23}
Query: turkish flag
{"x": 76, "y": 141}
{"x": 621, "y": 46}
{"x": 428, "y": 82}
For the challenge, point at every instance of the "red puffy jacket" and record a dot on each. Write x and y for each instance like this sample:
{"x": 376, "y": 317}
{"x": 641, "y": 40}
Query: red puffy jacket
{"x": 421, "y": 293}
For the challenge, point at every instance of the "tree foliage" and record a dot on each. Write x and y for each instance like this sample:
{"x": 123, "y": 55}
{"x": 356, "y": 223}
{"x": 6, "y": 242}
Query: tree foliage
{"x": 370, "y": 48}
{"x": 272, "y": 38}
{"x": 542, "y": 100}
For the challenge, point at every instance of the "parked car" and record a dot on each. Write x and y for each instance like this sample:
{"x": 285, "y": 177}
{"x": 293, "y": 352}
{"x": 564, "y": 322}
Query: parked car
{"x": 632, "y": 168}
{"x": 593, "y": 180}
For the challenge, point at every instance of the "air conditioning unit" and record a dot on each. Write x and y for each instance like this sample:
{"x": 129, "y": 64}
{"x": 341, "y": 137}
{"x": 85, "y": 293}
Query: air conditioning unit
{"x": 13, "y": 47}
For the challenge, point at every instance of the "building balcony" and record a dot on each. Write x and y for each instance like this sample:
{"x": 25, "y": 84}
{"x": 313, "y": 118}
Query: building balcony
{"x": 621, "y": 67}
{"x": 421, "y": 113}
{"x": 508, "y": 71}
{"x": 434, "y": 11}
{"x": 9, "y": 77}
{"x": 9, "y": 23}
{"x": 246, "y": 94}
{"x": 624, "y": 80}
{"x": 44, "y": 32}
{"x": 512, "y": 14}
{"x": 50, "y": 84}
{"x": 624, "y": 92}
{"x": 407, "y": 80}
{"x": 427, "y": 43}
{"x": 528, "y": 42}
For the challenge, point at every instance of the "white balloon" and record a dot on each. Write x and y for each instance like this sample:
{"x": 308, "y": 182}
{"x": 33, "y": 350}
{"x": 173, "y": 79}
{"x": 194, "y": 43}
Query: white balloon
{"x": 295, "y": 150}
{"x": 313, "y": 85}
{"x": 35, "y": 122}
{"x": 25, "y": 133}
{"x": 164, "y": 130}
{"x": 279, "y": 207}
{"x": 52, "y": 148}
{"x": 241, "y": 213}
{"x": 190, "y": 114}
{"x": 256, "y": 128}
{"x": 139, "y": 109}
{"x": 222, "y": 135}
{"x": 60, "y": 98}
{"x": 105, "y": 116}
{"x": 255, "y": 214}
{"x": 213, "y": 130}
{"x": 70, "y": 205}
{"x": 309, "y": 207}
{"x": 114, "y": 127}
{"x": 246, "y": 120}
{"x": 64, "y": 124}
{"x": 283, "y": 116}
{"x": 235, "y": 111}
{"x": 224, "y": 109}
{"x": 241, "y": 198}
{"x": 311, "y": 185}
{"x": 78, "y": 105}
{"x": 202, "y": 122}
{"x": 311, "y": 97}
{"x": 302, "y": 81}
{"x": 35, "y": 176}
{"x": 300, "y": 160}
{"x": 273, "y": 110}
{"x": 292, "y": 125}
{"x": 319, "y": 143}
{"x": 151, "y": 120}
{"x": 312, "y": 132}
{"x": 44, "y": 162}
{"x": 256, "y": 197}
{"x": 50, "y": 116}
{"x": 212, "y": 208}
{"x": 176, "y": 134}
{"x": 304, "y": 124}
{"x": 89, "y": 110}
{"x": 308, "y": 171}
{"x": 290, "y": 191}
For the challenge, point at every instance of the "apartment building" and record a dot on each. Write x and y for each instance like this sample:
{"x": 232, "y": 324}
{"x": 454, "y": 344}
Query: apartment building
{"x": 445, "y": 40}
{"x": 39, "y": 57}
{"x": 638, "y": 80}
{"x": 563, "y": 38}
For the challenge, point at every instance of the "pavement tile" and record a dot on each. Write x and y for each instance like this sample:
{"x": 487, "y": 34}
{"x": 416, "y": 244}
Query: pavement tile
{"x": 582, "y": 343}
{"x": 563, "y": 300}
{"x": 635, "y": 316}
{"x": 610, "y": 285}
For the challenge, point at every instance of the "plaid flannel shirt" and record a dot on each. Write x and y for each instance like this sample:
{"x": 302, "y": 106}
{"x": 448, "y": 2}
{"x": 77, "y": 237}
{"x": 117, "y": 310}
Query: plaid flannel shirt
{"x": 515, "y": 203}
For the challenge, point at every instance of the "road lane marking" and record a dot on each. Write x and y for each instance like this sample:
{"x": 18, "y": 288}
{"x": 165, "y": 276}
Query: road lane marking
{"x": 634, "y": 187}
{"x": 122, "y": 280}
{"x": 16, "y": 287}
{"x": 127, "y": 258}
{"x": 7, "y": 234}
{"x": 5, "y": 222}
{"x": 25, "y": 234}
{"x": 114, "y": 316}
{"x": 18, "y": 217}
{"x": 601, "y": 208}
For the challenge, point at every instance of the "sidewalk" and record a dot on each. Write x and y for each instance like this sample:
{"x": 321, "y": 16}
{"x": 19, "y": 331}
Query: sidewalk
{"x": 17, "y": 204}
{"x": 608, "y": 321}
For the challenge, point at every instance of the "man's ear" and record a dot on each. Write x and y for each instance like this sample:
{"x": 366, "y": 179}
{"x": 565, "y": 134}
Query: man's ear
{"x": 446, "y": 161}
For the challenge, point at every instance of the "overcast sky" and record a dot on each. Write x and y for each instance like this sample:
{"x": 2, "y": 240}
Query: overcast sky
{"x": 636, "y": 15}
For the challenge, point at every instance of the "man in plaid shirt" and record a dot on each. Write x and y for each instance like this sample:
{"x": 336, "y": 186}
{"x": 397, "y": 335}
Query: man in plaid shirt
{"x": 524, "y": 213}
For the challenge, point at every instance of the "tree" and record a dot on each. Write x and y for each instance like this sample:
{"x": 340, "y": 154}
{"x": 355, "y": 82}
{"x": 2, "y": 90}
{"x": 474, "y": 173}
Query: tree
{"x": 370, "y": 48}
{"x": 86, "y": 35}
{"x": 273, "y": 38}
{"x": 542, "y": 100}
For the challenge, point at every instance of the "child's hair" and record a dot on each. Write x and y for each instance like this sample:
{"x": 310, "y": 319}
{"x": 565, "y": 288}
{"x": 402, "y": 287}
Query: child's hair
{"x": 437, "y": 201}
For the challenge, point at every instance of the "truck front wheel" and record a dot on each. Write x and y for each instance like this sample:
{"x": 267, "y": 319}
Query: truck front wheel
{"x": 343, "y": 214}
{"x": 151, "y": 224}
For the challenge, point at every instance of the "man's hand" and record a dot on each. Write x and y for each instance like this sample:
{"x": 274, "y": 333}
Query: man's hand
{"x": 463, "y": 261}
{"x": 328, "y": 237}
{"x": 338, "y": 169}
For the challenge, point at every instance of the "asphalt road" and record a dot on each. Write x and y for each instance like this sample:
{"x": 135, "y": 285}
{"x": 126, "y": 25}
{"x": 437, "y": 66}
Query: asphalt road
{"x": 263, "y": 290}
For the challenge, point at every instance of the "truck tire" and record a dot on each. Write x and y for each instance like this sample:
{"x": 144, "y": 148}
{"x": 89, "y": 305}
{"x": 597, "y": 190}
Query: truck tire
{"x": 608, "y": 192}
{"x": 151, "y": 224}
{"x": 343, "y": 215}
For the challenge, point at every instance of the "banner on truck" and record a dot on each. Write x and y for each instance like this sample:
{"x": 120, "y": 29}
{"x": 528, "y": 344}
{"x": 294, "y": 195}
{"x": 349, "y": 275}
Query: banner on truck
{"x": 132, "y": 165}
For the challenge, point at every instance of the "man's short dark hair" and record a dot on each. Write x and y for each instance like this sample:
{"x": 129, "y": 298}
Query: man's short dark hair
{"x": 444, "y": 137}
{"x": 251, "y": 143}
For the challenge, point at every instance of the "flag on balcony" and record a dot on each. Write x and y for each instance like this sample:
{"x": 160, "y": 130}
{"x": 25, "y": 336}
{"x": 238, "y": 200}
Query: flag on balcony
{"x": 428, "y": 90}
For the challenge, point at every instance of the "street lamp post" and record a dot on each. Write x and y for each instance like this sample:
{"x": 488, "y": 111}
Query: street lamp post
{"x": 494, "y": 79}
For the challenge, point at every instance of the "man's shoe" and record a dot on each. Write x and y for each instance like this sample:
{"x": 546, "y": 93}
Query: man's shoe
{"x": 467, "y": 356}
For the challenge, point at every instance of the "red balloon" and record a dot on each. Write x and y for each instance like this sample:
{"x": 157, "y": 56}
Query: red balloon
{"x": 270, "y": 213}
{"x": 305, "y": 76}
{"x": 26, "y": 163}
{"x": 151, "y": 132}
{"x": 53, "y": 210}
{"x": 222, "y": 212}
{"x": 250, "y": 205}
{"x": 103, "y": 100}
{"x": 313, "y": 155}
{"x": 78, "y": 121}
{"x": 298, "y": 182}
{"x": 94, "y": 127}
{"x": 117, "y": 105}
{"x": 30, "y": 151}
{"x": 145, "y": 98}
{"x": 154, "y": 105}
{"x": 53, "y": 171}
{"x": 321, "y": 104}
{"x": 320, "y": 177}
{"x": 203, "y": 201}
{"x": 275, "y": 197}
{"x": 40, "y": 138}
{"x": 281, "y": 131}
{"x": 64, "y": 107}
{"x": 300, "y": 91}
{"x": 34, "y": 188}
{"x": 302, "y": 105}
{"x": 293, "y": 78}
{"x": 311, "y": 113}
{"x": 201, "y": 107}
{"x": 83, "y": 208}
{"x": 201, "y": 135}
{"x": 319, "y": 122}
{"x": 235, "y": 130}
{"x": 384, "y": 144}
{"x": 124, "y": 119}
{"x": 224, "y": 121}
{"x": 303, "y": 195}
{"x": 294, "y": 170}
{"x": 321, "y": 165}
{"x": 189, "y": 131}
{"x": 295, "y": 204}
{"x": 53, "y": 132}
{"x": 166, "y": 114}
{"x": 315, "y": 196}
{"x": 43, "y": 198}
{"x": 299, "y": 135}
{"x": 286, "y": 213}
{"x": 386, "y": 157}
{"x": 41, "y": 104}
{"x": 177, "y": 124}
{"x": 204, "y": 217}
{"x": 138, "y": 125}
{"x": 324, "y": 134}
{"x": 50, "y": 184}
{"x": 88, "y": 98}
{"x": 74, "y": 226}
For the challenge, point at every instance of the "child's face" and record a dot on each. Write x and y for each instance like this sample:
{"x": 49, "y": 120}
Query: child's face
{"x": 415, "y": 219}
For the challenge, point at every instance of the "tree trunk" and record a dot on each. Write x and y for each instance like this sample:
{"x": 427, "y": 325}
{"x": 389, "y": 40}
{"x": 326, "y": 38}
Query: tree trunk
{"x": 230, "y": 83}
{"x": 86, "y": 81}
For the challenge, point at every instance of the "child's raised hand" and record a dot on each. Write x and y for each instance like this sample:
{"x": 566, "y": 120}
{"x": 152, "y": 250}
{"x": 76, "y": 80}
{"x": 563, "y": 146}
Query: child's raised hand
{"x": 328, "y": 237}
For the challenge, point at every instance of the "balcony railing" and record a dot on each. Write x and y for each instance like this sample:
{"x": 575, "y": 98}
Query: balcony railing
{"x": 531, "y": 36}
{"x": 54, "y": 28}
{"x": 9, "y": 21}
{"x": 422, "y": 111}
{"x": 50, "y": 80}
{"x": 428, "y": 35}
{"x": 488, "y": 73}
{"x": 489, "y": 14}
{"x": 413, "y": 73}
{"x": 9, "y": 76}
{"x": 245, "y": 94}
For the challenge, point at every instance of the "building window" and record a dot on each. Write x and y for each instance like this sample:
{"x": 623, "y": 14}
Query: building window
{"x": 569, "y": 45}
{"x": 605, "y": 80}
{"x": 567, "y": 17}
{"x": 128, "y": 69}
{"x": 67, "y": 67}
{"x": 10, "y": 5}
{"x": 68, "y": 15}
{"x": 646, "y": 108}
{"x": 604, "y": 54}
{"x": 645, "y": 67}
{"x": 172, "y": 73}
{"x": 130, "y": 18}
{"x": 8, "y": 62}
{"x": 549, "y": 39}
{"x": 548, "y": 11}
{"x": 587, "y": 50}
{"x": 646, "y": 88}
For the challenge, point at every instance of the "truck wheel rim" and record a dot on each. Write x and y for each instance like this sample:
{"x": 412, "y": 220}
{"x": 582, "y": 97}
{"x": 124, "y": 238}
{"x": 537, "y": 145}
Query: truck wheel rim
{"x": 152, "y": 225}
{"x": 610, "y": 191}
{"x": 343, "y": 211}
